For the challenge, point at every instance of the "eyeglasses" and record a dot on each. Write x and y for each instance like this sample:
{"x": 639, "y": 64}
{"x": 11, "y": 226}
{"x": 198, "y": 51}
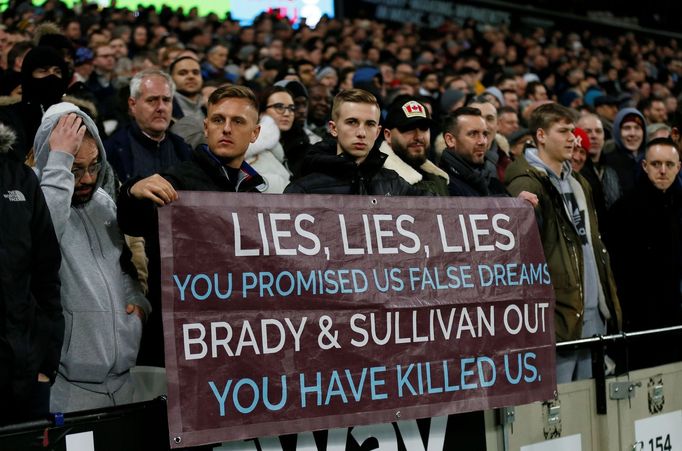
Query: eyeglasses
{"x": 282, "y": 108}
{"x": 93, "y": 169}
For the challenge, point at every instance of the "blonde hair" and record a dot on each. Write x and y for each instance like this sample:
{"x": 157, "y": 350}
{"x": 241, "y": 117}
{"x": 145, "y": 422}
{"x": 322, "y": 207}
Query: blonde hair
{"x": 352, "y": 96}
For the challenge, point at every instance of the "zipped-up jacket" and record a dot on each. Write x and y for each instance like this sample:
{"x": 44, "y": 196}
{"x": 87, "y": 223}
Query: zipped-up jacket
{"x": 31, "y": 320}
{"x": 101, "y": 340}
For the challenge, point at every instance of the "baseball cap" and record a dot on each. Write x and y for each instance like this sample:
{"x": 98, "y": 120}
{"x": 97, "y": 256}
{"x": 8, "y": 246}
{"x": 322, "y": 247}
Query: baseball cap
{"x": 520, "y": 134}
{"x": 581, "y": 138}
{"x": 83, "y": 55}
{"x": 407, "y": 113}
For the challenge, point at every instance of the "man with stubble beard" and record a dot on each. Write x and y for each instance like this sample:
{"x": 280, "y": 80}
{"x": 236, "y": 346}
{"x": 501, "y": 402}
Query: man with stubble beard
{"x": 407, "y": 137}
{"x": 189, "y": 110}
{"x": 97, "y": 284}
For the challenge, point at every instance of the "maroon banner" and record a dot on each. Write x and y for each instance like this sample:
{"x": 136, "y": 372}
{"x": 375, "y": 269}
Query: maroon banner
{"x": 291, "y": 313}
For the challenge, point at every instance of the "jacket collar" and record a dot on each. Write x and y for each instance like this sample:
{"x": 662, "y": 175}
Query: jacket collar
{"x": 407, "y": 172}
{"x": 248, "y": 178}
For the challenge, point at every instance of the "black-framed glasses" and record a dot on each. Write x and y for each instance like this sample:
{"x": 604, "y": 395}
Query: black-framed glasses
{"x": 93, "y": 170}
{"x": 282, "y": 108}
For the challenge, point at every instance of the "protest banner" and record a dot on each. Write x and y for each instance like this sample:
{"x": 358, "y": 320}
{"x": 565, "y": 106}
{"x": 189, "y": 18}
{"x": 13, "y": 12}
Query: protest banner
{"x": 294, "y": 313}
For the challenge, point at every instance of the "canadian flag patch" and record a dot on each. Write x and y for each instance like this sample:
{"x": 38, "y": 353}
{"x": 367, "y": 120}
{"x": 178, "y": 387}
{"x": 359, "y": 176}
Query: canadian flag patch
{"x": 414, "y": 109}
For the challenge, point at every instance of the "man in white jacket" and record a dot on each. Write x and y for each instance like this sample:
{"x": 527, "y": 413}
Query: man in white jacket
{"x": 104, "y": 307}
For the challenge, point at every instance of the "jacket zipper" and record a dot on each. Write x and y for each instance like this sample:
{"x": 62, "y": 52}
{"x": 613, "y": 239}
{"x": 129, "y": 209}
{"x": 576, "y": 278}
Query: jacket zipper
{"x": 86, "y": 220}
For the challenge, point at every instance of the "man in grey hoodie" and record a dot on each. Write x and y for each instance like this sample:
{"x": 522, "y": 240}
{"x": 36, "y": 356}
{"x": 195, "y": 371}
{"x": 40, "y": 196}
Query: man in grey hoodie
{"x": 586, "y": 299}
{"x": 104, "y": 307}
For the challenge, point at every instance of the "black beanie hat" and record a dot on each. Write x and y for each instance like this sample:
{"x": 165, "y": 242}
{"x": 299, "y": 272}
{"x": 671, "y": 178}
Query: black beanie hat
{"x": 42, "y": 57}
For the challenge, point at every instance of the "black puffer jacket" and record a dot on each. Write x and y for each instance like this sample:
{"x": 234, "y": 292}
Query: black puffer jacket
{"x": 31, "y": 320}
{"x": 325, "y": 172}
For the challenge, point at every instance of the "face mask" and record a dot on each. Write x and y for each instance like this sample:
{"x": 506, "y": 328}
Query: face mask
{"x": 44, "y": 91}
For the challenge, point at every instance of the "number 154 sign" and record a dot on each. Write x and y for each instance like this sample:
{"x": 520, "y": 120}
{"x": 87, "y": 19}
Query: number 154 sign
{"x": 660, "y": 433}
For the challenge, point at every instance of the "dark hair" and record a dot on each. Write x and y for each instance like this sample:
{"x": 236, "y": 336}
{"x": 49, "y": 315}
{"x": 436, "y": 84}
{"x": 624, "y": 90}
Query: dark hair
{"x": 530, "y": 87}
{"x": 181, "y": 58}
{"x": 647, "y": 102}
{"x": 17, "y": 50}
{"x": 267, "y": 92}
{"x": 506, "y": 109}
{"x": 451, "y": 121}
{"x": 544, "y": 116}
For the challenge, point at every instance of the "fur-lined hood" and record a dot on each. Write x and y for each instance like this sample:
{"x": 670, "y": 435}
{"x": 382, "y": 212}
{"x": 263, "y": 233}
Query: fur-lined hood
{"x": 407, "y": 172}
{"x": 268, "y": 140}
{"x": 7, "y": 139}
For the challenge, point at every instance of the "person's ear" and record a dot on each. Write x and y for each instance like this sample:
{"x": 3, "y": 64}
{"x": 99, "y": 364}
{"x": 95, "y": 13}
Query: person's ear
{"x": 255, "y": 133}
{"x": 449, "y": 140}
{"x": 540, "y": 136}
{"x": 331, "y": 126}
{"x": 387, "y": 135}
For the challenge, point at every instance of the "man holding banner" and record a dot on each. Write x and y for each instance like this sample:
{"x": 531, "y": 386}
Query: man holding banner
{"x": 231, "y": 124}
{"x": 586, "y": 299}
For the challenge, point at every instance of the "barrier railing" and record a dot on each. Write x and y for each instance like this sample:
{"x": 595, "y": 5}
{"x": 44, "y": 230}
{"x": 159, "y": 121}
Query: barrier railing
{"x": 143, "y": 425}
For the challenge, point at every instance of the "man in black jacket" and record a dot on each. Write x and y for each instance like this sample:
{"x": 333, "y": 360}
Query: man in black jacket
{"x": 146, "y": 146}
{"x": 645, "y": 241}
{"x": 231, "y": 124}
{"x": 31, "y": 323}
{"x": 351, "y": 164}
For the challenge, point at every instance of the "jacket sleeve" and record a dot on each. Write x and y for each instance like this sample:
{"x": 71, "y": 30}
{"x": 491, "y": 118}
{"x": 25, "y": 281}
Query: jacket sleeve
{"x": 57, "y": 183}
{"x": 45, "y": 283}
{"x": 519, "y": 184}
{"x": 134, "y": 294}
{"x": 294, "y": 188}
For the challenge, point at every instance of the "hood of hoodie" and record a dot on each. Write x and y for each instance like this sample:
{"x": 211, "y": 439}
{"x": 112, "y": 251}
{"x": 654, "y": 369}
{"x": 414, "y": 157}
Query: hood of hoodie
{"x": 534, "y": 160}
{"x": 41, "y": 144}
{"x": 618, "y": 121}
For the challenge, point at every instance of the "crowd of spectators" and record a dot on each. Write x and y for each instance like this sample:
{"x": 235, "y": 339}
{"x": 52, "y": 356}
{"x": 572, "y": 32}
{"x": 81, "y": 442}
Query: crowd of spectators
{"x": 145, "y": 82}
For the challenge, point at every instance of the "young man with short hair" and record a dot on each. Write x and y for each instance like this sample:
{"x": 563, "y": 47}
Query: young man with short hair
{"x": 586, "y": 299}
{"x": 351, "y": 164}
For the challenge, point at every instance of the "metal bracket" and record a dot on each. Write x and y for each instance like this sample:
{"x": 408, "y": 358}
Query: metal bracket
{"x": 551, "y": 412}
{"x": 656, "y": 396}
{"x": 507, "y": 415}
{"x": 622, "y": 390}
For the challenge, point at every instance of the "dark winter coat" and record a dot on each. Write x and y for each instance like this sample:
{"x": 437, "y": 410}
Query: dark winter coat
{"x": 325, "y": 172}
{"x": 159, "y": 155}
{"x": 31, "y": 323}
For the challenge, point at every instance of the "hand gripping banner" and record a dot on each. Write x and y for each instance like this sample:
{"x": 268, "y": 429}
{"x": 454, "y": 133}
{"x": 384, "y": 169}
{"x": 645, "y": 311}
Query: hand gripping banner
{"x": 291, "y": 313}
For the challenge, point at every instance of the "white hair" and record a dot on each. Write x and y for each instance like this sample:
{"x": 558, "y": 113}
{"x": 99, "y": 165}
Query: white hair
{"x": 136, "y": 81}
